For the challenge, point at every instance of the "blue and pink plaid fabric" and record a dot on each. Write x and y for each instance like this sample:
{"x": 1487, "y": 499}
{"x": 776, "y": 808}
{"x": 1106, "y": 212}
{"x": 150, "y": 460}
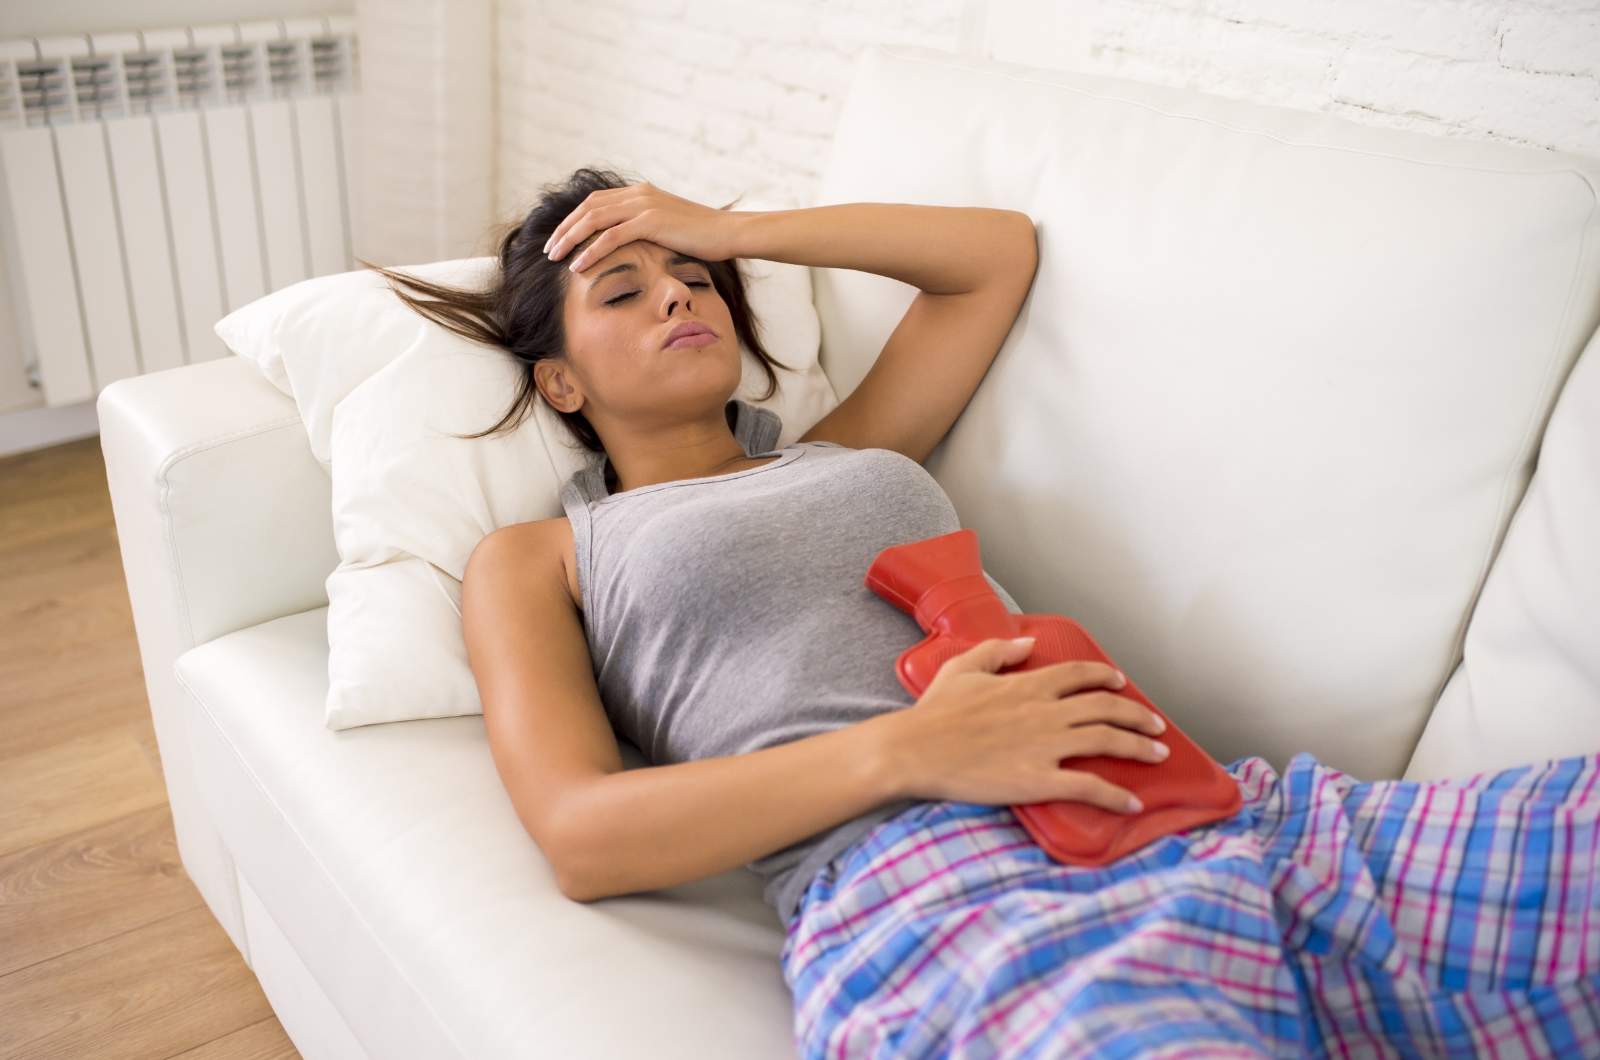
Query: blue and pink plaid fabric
{"x": 1329, "y": 917}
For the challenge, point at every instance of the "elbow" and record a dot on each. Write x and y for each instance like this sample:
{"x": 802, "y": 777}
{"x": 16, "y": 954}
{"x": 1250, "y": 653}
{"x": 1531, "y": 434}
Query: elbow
{"x": 567, "y": 884}
{"x": 573, "y": 885}
{"x": 563, "y": 866}
{"x": 583, "y": 853}
{"x": 553, "y": 835}
{"x": 1029, "y": 237}
{"x": 579, "y": 883}
{"x": 581, "y": 891}
{"x": 574, "y": 878}
{"x": 558, "y": 855}
{"x": 581, "y": 897}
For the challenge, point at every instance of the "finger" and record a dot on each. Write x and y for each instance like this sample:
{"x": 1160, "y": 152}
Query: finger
{"x": 1117, "y": 709}
{"x": 995, "y": 653}
{"x": 594, "y": 223}
{"x": 580, "y": 224}
{"x": 1060, "y": 679}
{"x": 579, "y": 230}
{"x": 1115, "y": 742}
{"x": 1078, "y": 786}
{"x": 558, "y": 237}
{"x": 558, "y": 243}
{"x": 613, "y": 237}
{"x": 590, "y": 202}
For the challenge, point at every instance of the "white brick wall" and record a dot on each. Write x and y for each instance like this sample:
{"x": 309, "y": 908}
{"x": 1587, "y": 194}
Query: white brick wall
{"x": 713, "y": 98}
{"x": 707, "y": 98}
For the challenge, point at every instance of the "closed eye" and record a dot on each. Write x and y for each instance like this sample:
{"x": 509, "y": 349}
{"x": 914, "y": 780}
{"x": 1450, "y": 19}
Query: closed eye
{"x": 630, "y": 294}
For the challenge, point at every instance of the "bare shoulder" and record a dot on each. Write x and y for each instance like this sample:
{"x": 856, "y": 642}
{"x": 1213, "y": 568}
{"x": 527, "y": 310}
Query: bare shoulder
{"x": 547, "y": 541}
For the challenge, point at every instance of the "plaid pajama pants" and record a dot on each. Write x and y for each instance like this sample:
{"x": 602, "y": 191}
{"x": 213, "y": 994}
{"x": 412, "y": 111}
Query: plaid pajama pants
{"x": 1329, "y": 917}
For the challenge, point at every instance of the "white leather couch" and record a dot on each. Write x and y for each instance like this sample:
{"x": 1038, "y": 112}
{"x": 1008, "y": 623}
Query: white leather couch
{"x": 1268, "y": 425}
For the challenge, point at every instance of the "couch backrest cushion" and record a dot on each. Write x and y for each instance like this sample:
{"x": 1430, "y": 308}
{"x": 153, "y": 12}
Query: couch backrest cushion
{"x": 1528, "y": 685}
{"x": 1275, "y": 395}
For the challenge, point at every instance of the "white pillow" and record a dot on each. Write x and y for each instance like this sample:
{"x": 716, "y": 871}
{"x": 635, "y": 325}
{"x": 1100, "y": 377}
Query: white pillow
{"x": 381, "y": 390}
{"x": 319, "y": 339}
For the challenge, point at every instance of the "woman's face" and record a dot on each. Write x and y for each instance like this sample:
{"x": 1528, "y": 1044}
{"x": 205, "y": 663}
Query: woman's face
{"x": 618, "y": 313}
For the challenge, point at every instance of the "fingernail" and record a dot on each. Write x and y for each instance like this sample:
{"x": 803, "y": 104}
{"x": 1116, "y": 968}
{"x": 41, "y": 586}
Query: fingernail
{"x": 1161, "y": 750}
{"x": 1121, "y": 678}
{"x": 1161, "y": 725}
{"x": 1022, "y": 642}
{"x": 1134, "y": 805}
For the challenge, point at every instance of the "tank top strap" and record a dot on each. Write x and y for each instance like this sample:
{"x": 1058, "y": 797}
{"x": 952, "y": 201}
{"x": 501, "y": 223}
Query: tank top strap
{"x": 576, "y": 494}
{"x": 756, "y": 428}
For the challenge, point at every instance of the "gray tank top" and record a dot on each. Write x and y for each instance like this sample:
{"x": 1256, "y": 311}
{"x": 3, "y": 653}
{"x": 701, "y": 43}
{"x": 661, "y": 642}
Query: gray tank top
{"x": 729, "y": 613}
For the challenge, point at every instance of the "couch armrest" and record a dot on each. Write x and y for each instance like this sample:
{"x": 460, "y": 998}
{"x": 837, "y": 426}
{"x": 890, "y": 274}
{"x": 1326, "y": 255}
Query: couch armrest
{"x": 224, "y": 519}
{"x": 224, "y": 516}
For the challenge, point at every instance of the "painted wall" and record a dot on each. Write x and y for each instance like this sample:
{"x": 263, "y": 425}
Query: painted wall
{"x": 713, "y": 97}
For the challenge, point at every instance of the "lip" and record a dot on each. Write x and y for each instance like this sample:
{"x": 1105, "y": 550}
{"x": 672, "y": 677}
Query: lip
{"x": 688, "y": 328}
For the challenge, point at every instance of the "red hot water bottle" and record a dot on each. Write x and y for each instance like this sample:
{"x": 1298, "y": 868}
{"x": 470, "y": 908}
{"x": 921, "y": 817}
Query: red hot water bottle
{"x": 940, "y": 581}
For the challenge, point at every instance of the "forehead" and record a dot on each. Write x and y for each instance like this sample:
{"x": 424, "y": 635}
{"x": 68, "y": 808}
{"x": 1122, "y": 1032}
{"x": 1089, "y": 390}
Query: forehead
{"x": 638, "y": 246}
{"x": 613, "y": 263}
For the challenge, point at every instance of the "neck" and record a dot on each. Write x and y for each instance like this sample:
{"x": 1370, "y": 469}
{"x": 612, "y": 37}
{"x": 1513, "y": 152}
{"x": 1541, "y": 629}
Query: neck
{"x": 633, "y": 462}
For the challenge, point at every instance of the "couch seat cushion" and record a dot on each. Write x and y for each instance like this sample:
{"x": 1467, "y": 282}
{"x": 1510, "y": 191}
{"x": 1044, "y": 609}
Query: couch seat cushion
{"x": 392, "y": 859}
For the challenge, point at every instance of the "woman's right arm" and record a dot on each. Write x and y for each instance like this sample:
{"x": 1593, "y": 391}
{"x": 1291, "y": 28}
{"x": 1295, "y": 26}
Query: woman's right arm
{"x": 643, "y": 829}
{"x": 606, "y": 830}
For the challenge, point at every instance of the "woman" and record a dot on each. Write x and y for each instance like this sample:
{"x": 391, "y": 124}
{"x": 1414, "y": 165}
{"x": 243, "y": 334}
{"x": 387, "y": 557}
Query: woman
{"x": 720, "y": 584}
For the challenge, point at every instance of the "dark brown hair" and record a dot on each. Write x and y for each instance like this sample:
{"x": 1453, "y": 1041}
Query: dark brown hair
{"x": 521, "y": 310}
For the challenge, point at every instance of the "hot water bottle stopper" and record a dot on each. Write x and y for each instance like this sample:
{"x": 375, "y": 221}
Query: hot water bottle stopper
{"x": 940, "y": 582}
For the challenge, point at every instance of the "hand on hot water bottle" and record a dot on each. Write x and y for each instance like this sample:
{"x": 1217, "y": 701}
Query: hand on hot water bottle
{"x": 940, "y": 582}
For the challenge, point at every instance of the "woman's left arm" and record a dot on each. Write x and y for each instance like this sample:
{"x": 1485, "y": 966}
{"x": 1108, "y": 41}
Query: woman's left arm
{"x": 938, "y": 249}
{"x": 975, "y": 267}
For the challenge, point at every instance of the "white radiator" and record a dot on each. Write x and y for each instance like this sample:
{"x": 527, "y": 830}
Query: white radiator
{"x": 154, "y": 181}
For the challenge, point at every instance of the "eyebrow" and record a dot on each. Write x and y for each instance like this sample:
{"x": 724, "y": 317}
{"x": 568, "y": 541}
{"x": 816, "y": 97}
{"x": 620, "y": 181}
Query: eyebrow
{"x": 676, "y": 259}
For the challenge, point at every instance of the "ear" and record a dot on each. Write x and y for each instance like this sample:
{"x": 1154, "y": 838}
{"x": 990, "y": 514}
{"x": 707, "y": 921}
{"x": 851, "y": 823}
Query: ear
{"x": 551, "y": 379}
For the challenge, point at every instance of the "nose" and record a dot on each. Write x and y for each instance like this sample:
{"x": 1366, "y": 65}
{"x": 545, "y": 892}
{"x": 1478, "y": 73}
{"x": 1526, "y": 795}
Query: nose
{"x": 683, "y": 296}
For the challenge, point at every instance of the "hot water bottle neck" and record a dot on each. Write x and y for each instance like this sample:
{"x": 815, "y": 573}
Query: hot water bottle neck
{"x": 940, "y": 582}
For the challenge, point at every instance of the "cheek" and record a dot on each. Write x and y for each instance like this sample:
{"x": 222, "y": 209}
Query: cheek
{"x": 608, "y": 326}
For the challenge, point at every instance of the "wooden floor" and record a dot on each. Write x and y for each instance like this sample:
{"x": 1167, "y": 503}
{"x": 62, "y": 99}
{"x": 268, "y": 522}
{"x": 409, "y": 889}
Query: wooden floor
{"x": 106, "y": 948}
